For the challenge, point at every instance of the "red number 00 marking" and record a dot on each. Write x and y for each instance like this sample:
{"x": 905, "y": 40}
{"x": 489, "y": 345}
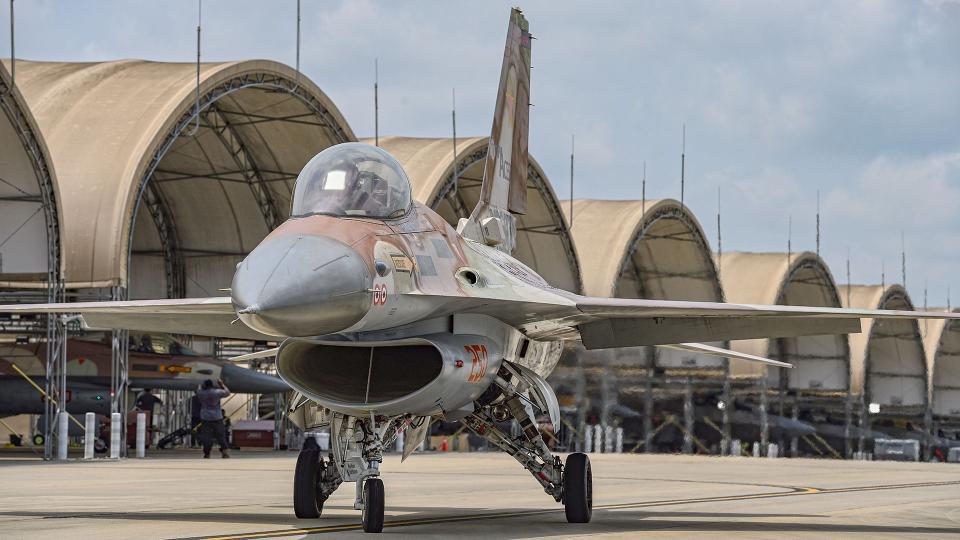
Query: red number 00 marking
{"x": 380, "y": 294}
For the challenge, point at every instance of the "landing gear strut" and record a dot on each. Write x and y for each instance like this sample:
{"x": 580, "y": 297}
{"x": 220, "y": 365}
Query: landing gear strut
{"x": 570, "y": 483}
{"x": 357, "y": 451}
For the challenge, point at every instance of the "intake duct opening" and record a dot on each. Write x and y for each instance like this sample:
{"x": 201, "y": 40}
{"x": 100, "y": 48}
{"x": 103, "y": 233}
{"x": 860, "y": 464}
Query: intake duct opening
{"x": 359, "y": 375}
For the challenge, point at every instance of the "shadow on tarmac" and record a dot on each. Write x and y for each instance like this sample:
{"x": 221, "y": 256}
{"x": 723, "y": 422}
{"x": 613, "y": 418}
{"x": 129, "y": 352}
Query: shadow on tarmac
{"x": 545, "y": 524}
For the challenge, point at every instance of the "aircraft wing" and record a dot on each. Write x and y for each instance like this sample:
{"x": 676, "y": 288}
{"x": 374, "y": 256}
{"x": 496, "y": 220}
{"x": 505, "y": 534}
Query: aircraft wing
{"x": 602, "y": 323}
{"x": 194, "y": 316}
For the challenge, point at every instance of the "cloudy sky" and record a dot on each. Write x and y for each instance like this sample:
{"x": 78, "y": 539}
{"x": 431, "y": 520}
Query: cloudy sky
{"x": 859, "y": 100}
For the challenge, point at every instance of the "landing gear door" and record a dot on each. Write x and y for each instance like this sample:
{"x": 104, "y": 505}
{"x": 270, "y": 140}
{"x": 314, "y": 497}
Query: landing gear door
{"x": 414, "y": 436}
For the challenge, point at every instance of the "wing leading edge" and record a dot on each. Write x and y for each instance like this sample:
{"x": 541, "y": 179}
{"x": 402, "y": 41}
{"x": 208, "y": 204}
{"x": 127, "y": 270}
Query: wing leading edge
{"x": 214, "y": 317}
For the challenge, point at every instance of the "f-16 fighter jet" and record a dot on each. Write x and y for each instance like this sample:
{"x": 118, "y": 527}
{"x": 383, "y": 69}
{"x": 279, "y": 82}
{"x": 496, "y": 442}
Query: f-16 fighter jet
{"x": 389, "y": 317}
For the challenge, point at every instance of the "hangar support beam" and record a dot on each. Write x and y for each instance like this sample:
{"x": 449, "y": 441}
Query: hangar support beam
{"x": 217, "y": 120}
{"x": 56, "y": 332}
{"x": 226, "y": 132}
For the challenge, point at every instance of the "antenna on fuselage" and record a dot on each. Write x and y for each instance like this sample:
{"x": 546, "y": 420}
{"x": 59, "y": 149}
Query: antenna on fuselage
{"x": 683, "y": 161}
{"x": 572, "y": 141}
{"x": 883, "y": 274}
{"x": 456, "y": 163}
{"x": 376, "y": 102}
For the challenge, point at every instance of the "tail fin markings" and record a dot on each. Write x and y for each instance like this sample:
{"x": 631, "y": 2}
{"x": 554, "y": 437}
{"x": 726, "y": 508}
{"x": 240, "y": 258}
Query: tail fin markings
{"x": 504, "y": 188}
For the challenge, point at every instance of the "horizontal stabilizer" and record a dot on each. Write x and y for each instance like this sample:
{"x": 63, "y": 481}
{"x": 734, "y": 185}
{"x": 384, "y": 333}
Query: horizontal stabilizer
{"x": 725, "y": 353}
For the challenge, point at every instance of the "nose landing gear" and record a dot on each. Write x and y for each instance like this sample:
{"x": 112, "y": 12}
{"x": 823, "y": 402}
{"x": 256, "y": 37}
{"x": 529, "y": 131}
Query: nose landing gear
{"x": 357, "y": 452}
{"x": 373, "y": 505}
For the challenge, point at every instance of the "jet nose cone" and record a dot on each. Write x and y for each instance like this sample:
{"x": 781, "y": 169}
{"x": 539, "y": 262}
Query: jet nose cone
{"x": 301, "y": 285}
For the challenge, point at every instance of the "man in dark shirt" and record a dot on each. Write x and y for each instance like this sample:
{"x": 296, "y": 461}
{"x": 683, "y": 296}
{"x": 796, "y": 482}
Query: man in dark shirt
{"x": 211, "y": 417}
{"x": 146, "y": 401}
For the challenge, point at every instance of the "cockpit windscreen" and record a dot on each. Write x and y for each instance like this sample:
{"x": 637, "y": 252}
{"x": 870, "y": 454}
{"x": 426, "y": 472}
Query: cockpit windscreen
{"x": 352, "y": 179}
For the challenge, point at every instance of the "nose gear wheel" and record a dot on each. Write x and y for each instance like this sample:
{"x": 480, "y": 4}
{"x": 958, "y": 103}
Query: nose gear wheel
{"x": 373, "y": 505}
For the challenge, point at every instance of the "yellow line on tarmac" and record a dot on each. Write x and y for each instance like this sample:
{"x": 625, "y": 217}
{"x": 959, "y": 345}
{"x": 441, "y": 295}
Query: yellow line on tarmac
{"x": 499, "y": 515}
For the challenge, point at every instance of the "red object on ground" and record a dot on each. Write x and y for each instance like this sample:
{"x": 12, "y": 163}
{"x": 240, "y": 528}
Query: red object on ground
{"x": 253, "y": 433}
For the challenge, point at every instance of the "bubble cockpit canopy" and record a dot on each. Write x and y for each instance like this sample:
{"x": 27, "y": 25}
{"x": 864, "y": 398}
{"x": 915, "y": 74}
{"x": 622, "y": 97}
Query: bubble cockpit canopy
{"x": 352, "y": 179}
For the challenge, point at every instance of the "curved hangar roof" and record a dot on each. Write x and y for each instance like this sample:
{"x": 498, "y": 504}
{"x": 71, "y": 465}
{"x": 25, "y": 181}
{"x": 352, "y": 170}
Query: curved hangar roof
{"x": 821, "y": 363}
{"x": 543, "y": 239}
{"x": 151, "y": 198}
{"x": 942, "y": 343}
{"x": 652, "y": 249}
{"x": 888, "y": 365}
{"x": 29, "y": 226}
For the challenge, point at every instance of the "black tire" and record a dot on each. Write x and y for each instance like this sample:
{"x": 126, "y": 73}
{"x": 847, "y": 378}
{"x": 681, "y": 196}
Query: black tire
{"x": 373, "y": 505}
{"x": 38, "y": 440}
{"x": 578, "y": 488}
{"x": 306, "y": 501}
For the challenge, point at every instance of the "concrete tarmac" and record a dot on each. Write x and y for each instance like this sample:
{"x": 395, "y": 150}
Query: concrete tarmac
{"x": 483, "y": 495}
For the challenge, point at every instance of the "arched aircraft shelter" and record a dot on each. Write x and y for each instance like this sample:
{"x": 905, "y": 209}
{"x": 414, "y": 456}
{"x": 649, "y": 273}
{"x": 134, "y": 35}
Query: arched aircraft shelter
{"x": 543, "y": 239}
{"x": 942, "y": 343}
{"x": 29, "y": 220}
{"x": 820, "y": 378}
{"x": 646, "y": 249}
{"x": 888, "y": 366}
{"x": 888, "y": 363}
{"x": 652, "y": 249}
{"x": 821, "y": 363}
{"x": 162, "y": 200}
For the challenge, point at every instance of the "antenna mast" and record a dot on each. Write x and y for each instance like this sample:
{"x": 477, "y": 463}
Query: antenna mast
{"x": 818, "y": 223}
{"x": 789, "y": 237}
{"x": 903, "y": 260}
{"x": 297, "y": 85}
{"x": 456, "y": 162}
{"x": 643, "y": 190}
{"x": 683, "y": 159}
{"x": 376, "y": 103}
{"x": 719, "y": 238}
{"x": 13, "y": 56}
{"x": 849, "y": 284}
{"x": 572, "y": 141}
{"x": 196, "y": 128}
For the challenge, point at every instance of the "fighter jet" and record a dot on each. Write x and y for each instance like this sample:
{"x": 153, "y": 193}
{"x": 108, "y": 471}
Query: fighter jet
{"x": 156, "y": 361}
{"x": 388, "y": 316}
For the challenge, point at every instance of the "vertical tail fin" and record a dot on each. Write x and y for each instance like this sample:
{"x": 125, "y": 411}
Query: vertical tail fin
{"x": 504, "y": 189}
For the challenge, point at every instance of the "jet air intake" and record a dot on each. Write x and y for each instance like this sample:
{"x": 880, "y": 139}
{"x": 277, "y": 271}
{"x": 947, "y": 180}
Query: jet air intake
{"x": 422, "y": 376}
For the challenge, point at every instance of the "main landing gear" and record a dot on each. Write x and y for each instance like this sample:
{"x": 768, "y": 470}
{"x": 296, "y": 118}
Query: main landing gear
{"x": 570, "y": 483}
{"x": 357, "y": 451}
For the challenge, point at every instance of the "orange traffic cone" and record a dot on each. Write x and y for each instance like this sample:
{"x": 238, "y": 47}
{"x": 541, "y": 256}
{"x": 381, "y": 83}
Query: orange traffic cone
{"x": 443, "y": 445}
